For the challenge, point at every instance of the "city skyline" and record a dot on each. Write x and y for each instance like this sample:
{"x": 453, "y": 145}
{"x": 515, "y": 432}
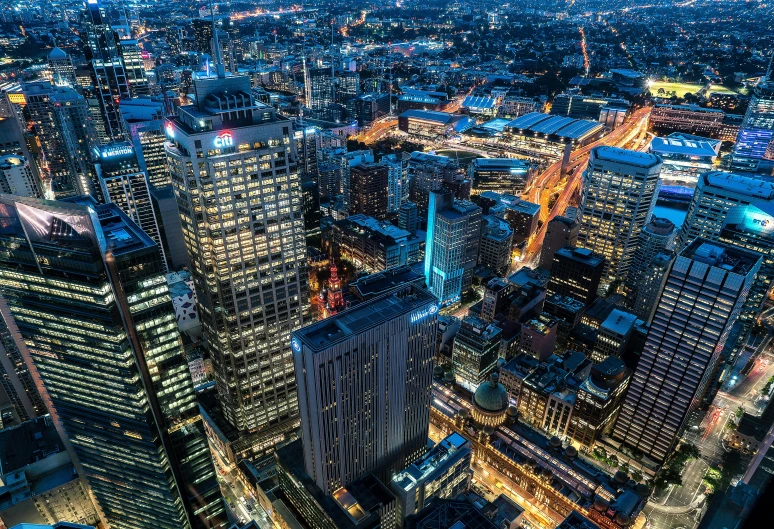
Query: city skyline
{"x": 386, "y": 265}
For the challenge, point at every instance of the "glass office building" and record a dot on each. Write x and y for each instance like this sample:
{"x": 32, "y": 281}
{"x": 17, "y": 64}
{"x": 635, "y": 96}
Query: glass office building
{"x": 86, "y": 288}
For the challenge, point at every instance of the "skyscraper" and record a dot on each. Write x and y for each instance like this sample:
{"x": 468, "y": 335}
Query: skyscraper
{"x": 321, "y": 89}
{"x": 751, "y": 227}
{"x": 368, "y": 190}
{"x": 397, "y": 180}
{"x": 650, "y": 284}
{"x": 110, "y": 83}
{"x": 704, "y": 293}
{"x": 451, "y": 246}
{"x": 144, "y": 121}
{"x": 233, "y": 165}
{"x": 134, "y": 67}
{"x": 716, "y": 192}
{"x": 61, "y": 70}
{"x": 754, "y": 148}
{"x": 656, "y": 237}
{"x": 123, "y": 183}
{"x": 619, "y": 192}
{"x": 86, "y": 290}
{"x": 16, "y": 177}
{"x": 66, "y": 133}
{"x": 364, "y": 387}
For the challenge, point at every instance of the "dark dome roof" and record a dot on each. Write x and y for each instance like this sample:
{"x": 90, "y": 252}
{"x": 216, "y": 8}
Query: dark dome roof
{"x": 491, "y": 396}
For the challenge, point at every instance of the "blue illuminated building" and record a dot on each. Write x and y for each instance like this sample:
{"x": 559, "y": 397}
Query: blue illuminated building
{"x": 451, "y": 247}
{"x": 754, "y": 149}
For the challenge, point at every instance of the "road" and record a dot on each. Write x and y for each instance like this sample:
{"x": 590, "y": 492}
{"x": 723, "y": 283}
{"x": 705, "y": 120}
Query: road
{"x": 683, "y": 506}
{"x": 545, "y": 184}
{"x": 242, "y": 504}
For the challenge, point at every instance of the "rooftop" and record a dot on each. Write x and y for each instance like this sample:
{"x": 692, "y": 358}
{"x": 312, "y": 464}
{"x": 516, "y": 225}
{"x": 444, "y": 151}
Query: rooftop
{"x": 729, "y": 258}
{"x": 583, "y": 255}
{"x": 619, "y": 322}
{"x": 326, "y": 333}
{"x": 437, "y": 459}
{"x": 381, "y": 282}
{"x": 744, "y": 185}
{"x": 28, "y": 443}
{"x": 550, "y": 124}
{"x": 624, "y": 156}
{"x": 512, "y": 164}
{"x": 685, "y": 147}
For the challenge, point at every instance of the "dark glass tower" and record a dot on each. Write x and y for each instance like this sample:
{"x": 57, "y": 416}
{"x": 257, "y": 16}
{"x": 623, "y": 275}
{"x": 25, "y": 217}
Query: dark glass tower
{"x": 86, "y": 288}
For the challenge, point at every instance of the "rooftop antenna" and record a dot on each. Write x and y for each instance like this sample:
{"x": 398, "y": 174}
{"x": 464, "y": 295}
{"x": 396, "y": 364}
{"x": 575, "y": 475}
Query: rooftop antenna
{"x": 307, "y": 88}
{"x": 219, "y": 68}
{"x": 333, "y": 66}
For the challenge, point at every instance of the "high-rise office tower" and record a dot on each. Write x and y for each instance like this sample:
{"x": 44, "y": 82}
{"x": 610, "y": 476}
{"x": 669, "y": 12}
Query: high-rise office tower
{"x": 650, "y": 284}
{"x": 716, "y": 192}
{"x": 65, "y": 130}
{"x": 86, "y": 291}
{"x": 123, "y": 183}
{"x": 577, "y": 274}
{"x": 397, "y": 180}
{"x": 496, "y": 244}
{"x": 321, "y": 88}
{"x": 60, "y": 68}
{"x": 16, "y": 379}
{"x": 233, "y": 165}
{"x": 202, "y": 34}
{"x": 16, "y": 177}
{"x": 751, "y": 227}
{"x": 620, "y": 188}
{"x": 134, "y": 67}
{"x": 704, "y": 293}
{"x": 306, "y": 149}
{"x": 364, "y": 379}
{"x": 475, "y": 353}
{"x": 368, "y": 190}
{"x": 110, "y": 83}
{"x": 754, "y": 148}
{"x": 428, "y": 173}
{"x": 451, "y": 246}
{"x": 144, "y": 121}
{"x": 560, "y": 232}
{"x": 658, "y": 236}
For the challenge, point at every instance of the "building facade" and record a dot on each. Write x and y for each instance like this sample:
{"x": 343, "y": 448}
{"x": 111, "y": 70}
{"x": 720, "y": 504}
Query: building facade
{"x": 451, "y": 248}
{"x": 620, "y": 188}
{"x": 86, "y": 289}
{"x": 704, "y": 293}
{"x": 364, "y": 387}
{"x": 233, "y": 167}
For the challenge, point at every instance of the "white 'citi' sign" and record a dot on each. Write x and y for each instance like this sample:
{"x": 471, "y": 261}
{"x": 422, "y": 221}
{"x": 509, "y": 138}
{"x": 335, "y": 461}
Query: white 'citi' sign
{"x": 224, "y": 139}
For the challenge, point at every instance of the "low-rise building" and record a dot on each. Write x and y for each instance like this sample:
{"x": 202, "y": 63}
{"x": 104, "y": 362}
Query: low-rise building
{"x": 38, "y": 480}
{"x": 374, "y": 245}
{"x": 538, "y": 336}
{"x": 433, "y": 124}
{"x": 475, "y": 353}
{"x": 598, "y": 400}
{"x": 501, "y": 175}
{"x": 442, "y": 473}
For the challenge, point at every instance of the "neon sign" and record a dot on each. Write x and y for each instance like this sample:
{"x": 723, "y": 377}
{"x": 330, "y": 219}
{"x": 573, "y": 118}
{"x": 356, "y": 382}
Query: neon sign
{"x": 170, "y": 130}
{"x": 295, "y": 345}
{"x": 424, "y": 313}
{"x": 224, "y": 139}
{"x": 116, "y": 151}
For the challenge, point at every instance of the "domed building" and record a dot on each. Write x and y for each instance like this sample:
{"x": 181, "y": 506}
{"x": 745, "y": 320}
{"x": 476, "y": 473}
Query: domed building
{"x": 490, "y": 403}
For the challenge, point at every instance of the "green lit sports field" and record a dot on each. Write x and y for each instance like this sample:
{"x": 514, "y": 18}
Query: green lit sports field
{"x": 680, "y": 88}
